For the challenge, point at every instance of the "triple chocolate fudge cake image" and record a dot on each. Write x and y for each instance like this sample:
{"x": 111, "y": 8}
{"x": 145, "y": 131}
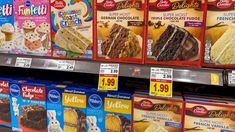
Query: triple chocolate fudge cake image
{"x": 5, "y": 114}
{"x": 223, "y": 50}
{"x": 121, "y": 43}
{"x": 33, "y": 116}
{"x": 117, "y": 123}
{"x": 70, "y": 39}
{"x": 74, "y": 120}
{"x": 175, "y": 44}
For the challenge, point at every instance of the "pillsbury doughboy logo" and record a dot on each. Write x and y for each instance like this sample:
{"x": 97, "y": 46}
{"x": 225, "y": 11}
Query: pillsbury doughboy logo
{"x": 54, "y": 96}
{"x": 14, "y": 90}
{"x": 95, "y": 101}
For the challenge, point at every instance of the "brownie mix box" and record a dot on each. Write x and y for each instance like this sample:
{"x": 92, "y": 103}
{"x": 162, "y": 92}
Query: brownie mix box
{"x": 28, "y": 106}
{"x": 72, "y": 28}
{"x": 219, "y": 35}
{"x": 157, "y": 114}
{"x": 175, "y": 32}
{"x": 32, "y": 27}
{"x": 66, "y": 109}
{"x": 209, "y": 115}
{"x": 120, "y": 32}
{"x": 110, "y": 112}
{"x": 7, "y": 31}
{"x": 5, "y": 114}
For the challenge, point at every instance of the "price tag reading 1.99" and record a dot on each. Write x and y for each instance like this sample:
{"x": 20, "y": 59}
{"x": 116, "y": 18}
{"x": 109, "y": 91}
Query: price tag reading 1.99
{"x": 108, "y": 77}
{"x": 161, "y": 82}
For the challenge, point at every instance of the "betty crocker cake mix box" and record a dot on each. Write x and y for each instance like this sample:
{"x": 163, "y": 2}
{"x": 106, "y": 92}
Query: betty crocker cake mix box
{"x": 28, "y": 106}
{"x": 32, "y": 27}
{"x": 175, "y": 32}
{"x": 72, "y": 28}
{"x": 219, "y": 36}
{"x": 120, "y": 32}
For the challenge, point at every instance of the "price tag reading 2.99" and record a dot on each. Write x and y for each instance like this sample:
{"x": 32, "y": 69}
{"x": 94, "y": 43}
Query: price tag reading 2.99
{"x": 108, "y": 77}
{"x": 161, "y": 82}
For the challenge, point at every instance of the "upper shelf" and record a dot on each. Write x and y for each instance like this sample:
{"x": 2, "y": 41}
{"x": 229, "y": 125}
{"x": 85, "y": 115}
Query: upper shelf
{"x": 187, "y": 75}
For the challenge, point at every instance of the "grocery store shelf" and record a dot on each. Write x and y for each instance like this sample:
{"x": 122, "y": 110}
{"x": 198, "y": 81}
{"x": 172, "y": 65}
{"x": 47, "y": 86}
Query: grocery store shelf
{"x": 187, "y": 75}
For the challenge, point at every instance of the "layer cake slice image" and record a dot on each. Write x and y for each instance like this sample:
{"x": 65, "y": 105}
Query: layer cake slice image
{"x": 117, "y": 123}
{"x": 154, "y": 127}
{"x": 223, "y": 51}
{"x": 70, "y": 39}
{"x": 74, "y": 120}
{"x": 121, "y": 43}
{"x": 5, "y": 114}
{"x": 175, "y": 44}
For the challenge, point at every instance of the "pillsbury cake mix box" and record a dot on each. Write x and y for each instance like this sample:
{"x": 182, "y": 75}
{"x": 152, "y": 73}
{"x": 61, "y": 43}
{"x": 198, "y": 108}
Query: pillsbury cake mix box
{"x": 5, "y": 114}
{"x": 33, "y": 28}
{"x": 6, "y": 26}
{"x": 28, "y": 106}
{"x": 66, "y": 109}
{"x": 72, "y": 28}
{"x": 110, "y": 112}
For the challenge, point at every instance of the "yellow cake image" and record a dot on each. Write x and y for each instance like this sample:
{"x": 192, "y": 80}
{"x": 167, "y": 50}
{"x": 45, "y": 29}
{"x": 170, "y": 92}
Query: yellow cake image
{"x": 2, "y": 38}
{"x": 141, "y": 126}
{"x": 223, "y": 51}
{"x": 8, "y": 30}
{"x": 113, "y": 123}
{"x": 154, "y": 127}
{"x": 213, "y": 34}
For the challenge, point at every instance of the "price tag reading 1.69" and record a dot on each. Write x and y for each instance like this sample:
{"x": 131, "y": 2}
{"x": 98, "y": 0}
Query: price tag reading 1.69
{"x": 108, "y": 77}
{"x": 161, "y": 82}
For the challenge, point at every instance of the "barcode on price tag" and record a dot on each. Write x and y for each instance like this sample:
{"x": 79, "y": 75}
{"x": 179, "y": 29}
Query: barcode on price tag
{"x": 161, "y": 80}
{"x": 108, "y": 77}
{"x": 23, "y": 62}
{"x": 66, "y": 65}
{"x": 232, "y": 78}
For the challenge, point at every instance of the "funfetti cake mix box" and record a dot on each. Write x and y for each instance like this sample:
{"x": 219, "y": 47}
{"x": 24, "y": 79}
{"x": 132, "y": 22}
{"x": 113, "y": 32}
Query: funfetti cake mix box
{"x": 32, "y": 27}
{"x": 120, "y": 32}
{"x": 7, "y": 32}
{"x": 109, "y": 111}
{"x": 5, "y": 114}
{"x": 175, "y": 32}
{"x": 28, "y": 106}
{"x": 72, "y": 28}
{"x": 219, "y": 36}
{"x": 66, "y": 109}
{"x": 209, "y": 115}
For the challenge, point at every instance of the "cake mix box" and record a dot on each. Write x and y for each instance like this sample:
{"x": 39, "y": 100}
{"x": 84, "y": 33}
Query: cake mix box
{"x": 120, "y": 33}
{"x": 219, "y": 36}
{"x": 32, "y": 27}
{"x": 208, "y": 114}
{"x": 7, "y": 32}
{"x": 28, "y": 106}
{"x": 157, "y": 114}
{"x": 109, "y": 111}
{"x": 5, "y": 114}
{"x": 72, "y": 28}
{"x": 66, "y": 109}
{"x": 175, "y": 32}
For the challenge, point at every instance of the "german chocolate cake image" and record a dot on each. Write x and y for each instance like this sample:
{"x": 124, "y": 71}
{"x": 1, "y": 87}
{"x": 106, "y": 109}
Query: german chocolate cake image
{"x": 223, "y": 51}
{"x": 70, "y": 39}
{"x": 5, "y": 114}
{"x": 74, "y": 120}
{"x": 117, "y": 123}
{"x": 175, "y": 44}
{"x": 121, "y": 43}
{"x": 33, "y": 116}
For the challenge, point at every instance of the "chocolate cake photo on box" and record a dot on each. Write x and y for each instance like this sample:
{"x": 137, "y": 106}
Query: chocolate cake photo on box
{"x": 33, "y": 116}
{"x": 5, "y": 114}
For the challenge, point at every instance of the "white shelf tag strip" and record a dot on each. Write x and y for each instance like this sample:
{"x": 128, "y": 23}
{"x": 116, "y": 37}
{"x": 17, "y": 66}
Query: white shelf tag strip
{"x": 23, "y": 62}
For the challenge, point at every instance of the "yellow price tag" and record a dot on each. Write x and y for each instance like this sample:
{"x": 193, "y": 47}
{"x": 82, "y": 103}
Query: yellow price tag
{"x": 108, "y": 83}
{"x": 161, "y": 88}
{"x": 214, "y": 79}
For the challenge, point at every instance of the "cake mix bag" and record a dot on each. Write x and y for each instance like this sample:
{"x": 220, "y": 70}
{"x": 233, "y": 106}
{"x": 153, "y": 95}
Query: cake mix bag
{"x": 66, "y": 109}
{"x": 72, "y": 28}
{"x": 109, "y": 111}
{"x": 7, "y": 32}
{"x": 175, "y": 32}
{"x": 157, "y": 114}
{"x": 120, "y": 33}
{"x": 209, "y": 115}
{"x": 33, "y": 28}
{"x": 5, "y": 114}
{"x": 219, "y": 36}
{"x": 28, "y": 106}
